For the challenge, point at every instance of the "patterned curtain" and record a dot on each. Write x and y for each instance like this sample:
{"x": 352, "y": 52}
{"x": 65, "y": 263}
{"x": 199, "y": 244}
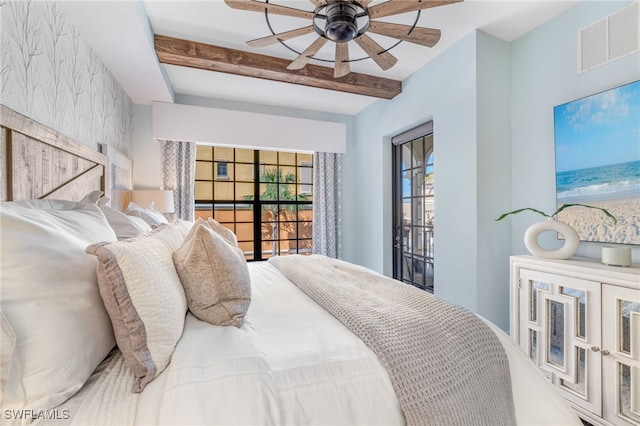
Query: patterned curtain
{"x": 178, "y": 175}
{"x": 327, "y": 204}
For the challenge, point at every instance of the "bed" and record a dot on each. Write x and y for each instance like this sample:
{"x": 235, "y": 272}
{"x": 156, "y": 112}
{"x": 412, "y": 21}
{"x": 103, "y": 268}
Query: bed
{"x": 107, "y": 321}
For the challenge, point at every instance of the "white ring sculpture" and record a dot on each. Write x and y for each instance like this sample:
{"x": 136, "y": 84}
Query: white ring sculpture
{"x": 571, "y": 239}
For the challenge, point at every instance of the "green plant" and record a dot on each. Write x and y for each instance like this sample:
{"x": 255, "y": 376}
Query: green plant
{"x": 277, "y": 187}
{"x": 564, "y": 206}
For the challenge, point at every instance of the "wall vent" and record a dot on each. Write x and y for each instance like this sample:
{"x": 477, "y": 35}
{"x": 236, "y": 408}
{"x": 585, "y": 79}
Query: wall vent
{"x": 610, "y": 38}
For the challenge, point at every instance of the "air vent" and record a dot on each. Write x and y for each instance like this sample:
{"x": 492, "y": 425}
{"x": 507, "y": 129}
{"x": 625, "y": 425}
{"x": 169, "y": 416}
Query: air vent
{"x": 610, "y": 38}
{"x": 593, "y": 45}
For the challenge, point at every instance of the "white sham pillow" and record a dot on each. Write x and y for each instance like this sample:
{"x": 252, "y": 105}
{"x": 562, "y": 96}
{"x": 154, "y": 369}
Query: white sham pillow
{"x": 125, "y": 226}
{"x": 184, "y": 226}
{"x": 8, "y": 366}
{"x": 150, "y": 215}
{"x": 93, "y": 197}
{"x": 50, "y": 300}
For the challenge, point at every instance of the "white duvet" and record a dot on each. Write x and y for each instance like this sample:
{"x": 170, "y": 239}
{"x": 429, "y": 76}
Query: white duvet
{"x": 291, "y": 363}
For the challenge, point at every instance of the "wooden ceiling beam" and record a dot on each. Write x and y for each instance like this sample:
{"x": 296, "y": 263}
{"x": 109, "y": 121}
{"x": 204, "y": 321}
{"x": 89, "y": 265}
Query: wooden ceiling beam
{"x": 215, "y": 58}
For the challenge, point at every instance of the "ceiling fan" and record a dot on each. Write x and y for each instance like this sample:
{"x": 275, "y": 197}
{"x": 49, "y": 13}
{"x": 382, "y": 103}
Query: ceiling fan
{"x": 342, "y": 21}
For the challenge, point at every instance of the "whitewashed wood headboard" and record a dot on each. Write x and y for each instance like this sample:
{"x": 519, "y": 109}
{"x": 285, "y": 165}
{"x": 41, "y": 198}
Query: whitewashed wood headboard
{"x": 39, "y": 162}
{"x": 119, "y": 177}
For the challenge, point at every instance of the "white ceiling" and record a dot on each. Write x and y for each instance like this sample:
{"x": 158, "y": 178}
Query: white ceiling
{"x": 121, "y": 34}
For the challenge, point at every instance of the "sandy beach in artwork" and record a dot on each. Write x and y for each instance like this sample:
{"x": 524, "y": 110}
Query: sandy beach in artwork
{"x": 594, "y": 225}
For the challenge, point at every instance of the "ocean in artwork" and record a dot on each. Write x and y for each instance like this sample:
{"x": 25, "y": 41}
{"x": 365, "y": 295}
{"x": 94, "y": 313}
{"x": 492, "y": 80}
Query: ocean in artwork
{"x": 614, "y": 187}
{"x": 610, "y": 182}
{"x": 597, "y": 140}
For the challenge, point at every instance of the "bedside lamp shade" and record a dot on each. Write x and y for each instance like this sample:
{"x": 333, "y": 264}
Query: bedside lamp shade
{"x": 162, "y": 199}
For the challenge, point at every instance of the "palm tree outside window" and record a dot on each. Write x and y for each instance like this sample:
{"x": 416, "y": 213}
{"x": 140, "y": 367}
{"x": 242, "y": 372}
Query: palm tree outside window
{"x": 276, "y": 222}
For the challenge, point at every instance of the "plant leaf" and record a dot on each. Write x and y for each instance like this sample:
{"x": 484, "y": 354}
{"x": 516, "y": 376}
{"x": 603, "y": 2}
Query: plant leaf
{"x": 564, "y": 206}
{"x": 502, "y": 216}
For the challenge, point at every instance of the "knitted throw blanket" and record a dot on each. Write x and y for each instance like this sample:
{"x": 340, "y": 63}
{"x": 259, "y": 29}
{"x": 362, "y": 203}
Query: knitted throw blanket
{"x": 446, "y": 365}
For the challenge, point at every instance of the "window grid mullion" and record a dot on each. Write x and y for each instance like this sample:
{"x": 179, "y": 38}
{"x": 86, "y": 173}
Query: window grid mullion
{"x": 289, "y": 223}
{"x": 257, "y": 208}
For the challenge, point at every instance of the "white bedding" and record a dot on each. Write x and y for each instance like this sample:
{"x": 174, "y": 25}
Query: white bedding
{"x": 291, "y": 363}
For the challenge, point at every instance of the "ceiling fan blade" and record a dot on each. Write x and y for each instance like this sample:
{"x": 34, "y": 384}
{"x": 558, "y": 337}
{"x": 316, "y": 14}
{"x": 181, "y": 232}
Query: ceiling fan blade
{"x": 364, "y": 3}
{"x": 395, "y": 7}
{"x": 423, "y": 36}
{"x": 287, "y": 35}
{"x": 384, "y": 60}
{"x": 259, "y": 6}
{"x": 342, "y": 67}
{"x": 305, "y": 56}
{"x": 318, "y": 3}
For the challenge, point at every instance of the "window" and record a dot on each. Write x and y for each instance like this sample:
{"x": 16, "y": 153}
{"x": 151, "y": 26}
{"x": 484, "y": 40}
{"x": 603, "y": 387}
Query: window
{"x": 306, "y": 173}
{"x": 222, "y": 170}
{"x": 270, "y": 215}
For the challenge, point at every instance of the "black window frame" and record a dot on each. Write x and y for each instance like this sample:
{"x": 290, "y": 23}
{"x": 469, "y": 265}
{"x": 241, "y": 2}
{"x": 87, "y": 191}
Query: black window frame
{"x": 257, "y": 203}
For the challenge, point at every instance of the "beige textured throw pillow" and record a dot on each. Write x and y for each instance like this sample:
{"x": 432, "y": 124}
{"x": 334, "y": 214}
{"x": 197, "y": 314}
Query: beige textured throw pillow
{"x": 215, "y": 277}
{"x": 223, "y": 231}
{"x": 144, "y": 298}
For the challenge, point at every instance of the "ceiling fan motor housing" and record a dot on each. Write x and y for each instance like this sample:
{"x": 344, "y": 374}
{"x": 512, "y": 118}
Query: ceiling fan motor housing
{"x": 341, "y": 25}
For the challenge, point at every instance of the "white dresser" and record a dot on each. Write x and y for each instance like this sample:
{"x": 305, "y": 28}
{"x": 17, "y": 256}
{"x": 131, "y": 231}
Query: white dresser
{"x": 579, "y": 320}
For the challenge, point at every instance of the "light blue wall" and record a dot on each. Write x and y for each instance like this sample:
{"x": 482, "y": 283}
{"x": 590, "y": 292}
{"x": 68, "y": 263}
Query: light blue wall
{"x": 465, "y": 91}
{"x": 544, "y": 74}
{"x": 493, "y": 64}
{"x": 492, "y": 107}
{"x": 444, "y": 91}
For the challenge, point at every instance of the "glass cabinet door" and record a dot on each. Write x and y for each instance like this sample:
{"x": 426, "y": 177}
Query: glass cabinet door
{"x": 621, "y": 354}
{"x": 559, "y": 324}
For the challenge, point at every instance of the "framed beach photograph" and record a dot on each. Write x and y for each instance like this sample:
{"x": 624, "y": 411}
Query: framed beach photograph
{"x": 597, "y": 142}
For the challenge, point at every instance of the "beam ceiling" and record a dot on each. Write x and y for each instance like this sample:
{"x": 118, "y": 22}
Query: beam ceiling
{"x": 192, "y": 54}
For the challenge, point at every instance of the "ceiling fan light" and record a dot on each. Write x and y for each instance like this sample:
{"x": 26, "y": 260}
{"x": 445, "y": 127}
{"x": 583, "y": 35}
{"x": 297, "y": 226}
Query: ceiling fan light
{"x": 341, "y": 32}
{"x": 342, "y": 25}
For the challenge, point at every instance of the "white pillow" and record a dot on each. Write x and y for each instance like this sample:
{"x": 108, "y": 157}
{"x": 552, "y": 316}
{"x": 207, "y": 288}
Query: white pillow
{"x": 125, "y": 226}
{"x": 184, "y": 226}
{"x": 50, "y": 300}
{"x": 150, "y": 215}
{"x": 8, "y": 365}
{"x": 93, "y": 197}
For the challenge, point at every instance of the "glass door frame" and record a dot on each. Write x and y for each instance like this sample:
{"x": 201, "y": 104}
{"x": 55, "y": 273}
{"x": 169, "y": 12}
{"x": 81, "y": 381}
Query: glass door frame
{"x": 398, "y": 226}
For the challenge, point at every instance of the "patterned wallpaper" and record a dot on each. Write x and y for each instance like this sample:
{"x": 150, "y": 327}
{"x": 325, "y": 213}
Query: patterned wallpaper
{"x": 49, "y": 73}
